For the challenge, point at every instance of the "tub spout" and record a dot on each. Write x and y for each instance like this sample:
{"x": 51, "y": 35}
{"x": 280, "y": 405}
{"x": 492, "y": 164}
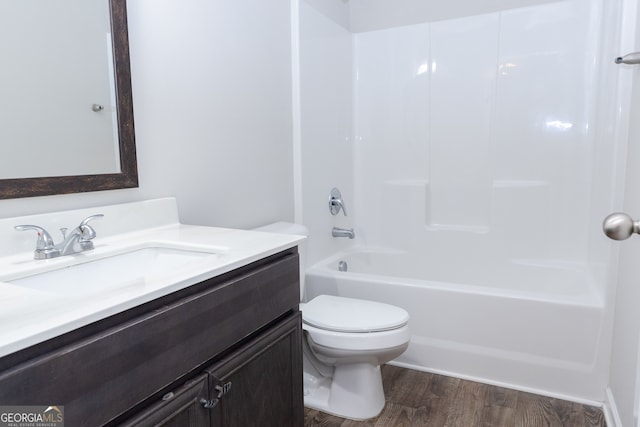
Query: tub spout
{"x": 343, "y": 232}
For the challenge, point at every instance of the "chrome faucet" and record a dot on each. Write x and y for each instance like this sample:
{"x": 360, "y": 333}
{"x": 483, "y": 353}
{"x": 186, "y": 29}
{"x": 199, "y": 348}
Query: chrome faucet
{"x": 343, "y": 232}
{"x": 78, "y": 240}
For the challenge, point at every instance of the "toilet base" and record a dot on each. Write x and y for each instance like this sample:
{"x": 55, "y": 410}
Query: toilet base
{"x": 354, "y": 392}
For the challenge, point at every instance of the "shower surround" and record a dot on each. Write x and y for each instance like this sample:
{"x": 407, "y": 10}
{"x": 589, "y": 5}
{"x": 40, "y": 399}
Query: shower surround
{"x": 479, "y": 156}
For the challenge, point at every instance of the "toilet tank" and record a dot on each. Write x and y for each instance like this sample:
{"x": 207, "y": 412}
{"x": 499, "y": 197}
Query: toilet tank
{"x": 296, "y": 229}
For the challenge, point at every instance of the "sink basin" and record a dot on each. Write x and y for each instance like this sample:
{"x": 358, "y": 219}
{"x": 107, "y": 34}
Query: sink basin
{"x": 129, "y": 269}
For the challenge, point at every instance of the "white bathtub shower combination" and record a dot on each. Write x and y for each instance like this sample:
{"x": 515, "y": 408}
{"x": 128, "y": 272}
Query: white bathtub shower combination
{"x": 477, "y": 157}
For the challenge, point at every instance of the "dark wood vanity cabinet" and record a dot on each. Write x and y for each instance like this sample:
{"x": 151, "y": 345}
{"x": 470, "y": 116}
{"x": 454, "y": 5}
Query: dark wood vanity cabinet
{"x": 224, "y": 352}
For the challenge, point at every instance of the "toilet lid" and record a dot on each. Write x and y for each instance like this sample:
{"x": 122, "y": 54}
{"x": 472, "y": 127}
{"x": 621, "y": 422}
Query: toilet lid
{"x": 352, "y": 315}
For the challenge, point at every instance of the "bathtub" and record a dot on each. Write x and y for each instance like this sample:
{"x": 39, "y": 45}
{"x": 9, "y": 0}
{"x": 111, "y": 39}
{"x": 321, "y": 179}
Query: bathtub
{"x": 523, "y": 324}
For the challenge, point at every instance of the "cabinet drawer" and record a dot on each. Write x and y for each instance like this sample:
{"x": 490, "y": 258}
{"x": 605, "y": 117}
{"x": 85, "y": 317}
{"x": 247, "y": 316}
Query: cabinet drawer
{"x": 100, "y": 377}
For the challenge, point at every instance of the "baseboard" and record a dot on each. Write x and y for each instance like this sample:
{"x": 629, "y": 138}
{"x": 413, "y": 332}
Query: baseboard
{"x": 610, "y": 410}
{"x": 511, "y": 386}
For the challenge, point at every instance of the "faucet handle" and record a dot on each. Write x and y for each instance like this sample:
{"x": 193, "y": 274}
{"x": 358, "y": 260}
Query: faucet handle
{"x": 89, "y": 218}
{"x": 45, "y": 247}
{"x": 87, "y": 232}
{"x": 336, "y": 203}
{"x": 45, "y": 241}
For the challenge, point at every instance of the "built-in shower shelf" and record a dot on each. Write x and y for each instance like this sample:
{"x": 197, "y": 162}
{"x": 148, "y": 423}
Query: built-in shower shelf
{"x": 499, "y": 183}
{"x": 408, "y": 182}
{"x": 508, "y": 183}
{"x": 478, "y": 229}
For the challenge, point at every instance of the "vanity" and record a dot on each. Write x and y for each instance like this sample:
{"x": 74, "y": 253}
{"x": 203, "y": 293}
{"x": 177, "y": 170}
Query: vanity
{"x": 208, "y": 333}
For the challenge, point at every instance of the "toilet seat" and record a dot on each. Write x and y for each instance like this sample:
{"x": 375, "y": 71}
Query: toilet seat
{"x": 348, "y": 315}
{"x": 349, "y": 341}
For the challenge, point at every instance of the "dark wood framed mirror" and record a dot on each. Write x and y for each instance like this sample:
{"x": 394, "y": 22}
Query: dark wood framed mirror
{"x": 127, "y": 177}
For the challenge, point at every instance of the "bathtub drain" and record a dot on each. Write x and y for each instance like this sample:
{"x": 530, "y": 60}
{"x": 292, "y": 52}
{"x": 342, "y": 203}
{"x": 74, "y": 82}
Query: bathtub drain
{"x": 342, "y": 266}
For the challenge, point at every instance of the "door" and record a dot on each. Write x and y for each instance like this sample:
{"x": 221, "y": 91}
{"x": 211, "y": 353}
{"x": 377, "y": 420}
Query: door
{"x": 623, "y": 395}
{"x": 260, "y": 384}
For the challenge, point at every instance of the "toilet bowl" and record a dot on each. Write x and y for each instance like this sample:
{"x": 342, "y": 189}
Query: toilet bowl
{"x": 345, "y": 342}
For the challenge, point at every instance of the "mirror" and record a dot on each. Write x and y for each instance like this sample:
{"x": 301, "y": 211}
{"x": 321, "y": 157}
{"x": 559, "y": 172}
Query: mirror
{"x": 65, "y": 98}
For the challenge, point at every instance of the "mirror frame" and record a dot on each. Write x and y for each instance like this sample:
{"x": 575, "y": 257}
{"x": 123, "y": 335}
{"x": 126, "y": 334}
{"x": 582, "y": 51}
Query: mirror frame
{"x": 128, "y": 177}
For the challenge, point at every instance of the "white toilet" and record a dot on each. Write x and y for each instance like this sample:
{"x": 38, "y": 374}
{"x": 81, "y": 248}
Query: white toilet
{"x": 345, "y": 342}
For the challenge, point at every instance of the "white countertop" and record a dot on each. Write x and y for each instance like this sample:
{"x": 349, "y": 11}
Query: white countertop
{"x": 28, "y": 317}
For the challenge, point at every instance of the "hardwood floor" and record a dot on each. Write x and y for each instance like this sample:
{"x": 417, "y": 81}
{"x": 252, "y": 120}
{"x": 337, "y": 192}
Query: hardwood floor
{"x": 421, "y": 399}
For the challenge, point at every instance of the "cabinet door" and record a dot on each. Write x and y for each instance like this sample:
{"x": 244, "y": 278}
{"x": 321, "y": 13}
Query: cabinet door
{"x": 181, "y": 408}
{"x": 260, "y": 384}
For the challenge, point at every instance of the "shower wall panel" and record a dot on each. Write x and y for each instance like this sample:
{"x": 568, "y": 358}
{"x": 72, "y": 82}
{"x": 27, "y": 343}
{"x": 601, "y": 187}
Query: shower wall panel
{"x": 326, "y": 93}
{"x": 477, "y": 131}
{"x": 463, "y": 81}
{"x": 392, "y": 120}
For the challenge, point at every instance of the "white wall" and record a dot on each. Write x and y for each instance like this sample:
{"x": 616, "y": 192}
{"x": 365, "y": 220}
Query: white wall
{"x": 367, "y": 15}
{"x": 624, "y": 379}
{"x": 212, "y": 83}
{"x": 212, "y": 104}
{"x": 326, "y": 111}
{"x": 336, "y": 10}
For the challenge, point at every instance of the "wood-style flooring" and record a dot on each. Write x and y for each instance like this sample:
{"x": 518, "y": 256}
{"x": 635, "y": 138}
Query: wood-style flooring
{"x": 422, "y": 399}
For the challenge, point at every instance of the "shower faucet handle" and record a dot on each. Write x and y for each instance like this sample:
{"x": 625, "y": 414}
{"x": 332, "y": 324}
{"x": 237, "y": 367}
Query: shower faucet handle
{"x": 620, "y": 226}
{"x": 335, "y": 202}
